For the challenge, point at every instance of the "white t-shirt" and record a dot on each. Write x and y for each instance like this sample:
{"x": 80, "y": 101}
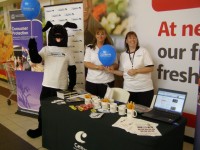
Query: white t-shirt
{"x": 96, "y": 76}
{"x": 139, "y": 59}
{"x": 56, "y": 62}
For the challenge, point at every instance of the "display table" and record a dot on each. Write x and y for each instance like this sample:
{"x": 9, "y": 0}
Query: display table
{"x": 65, "y": 129}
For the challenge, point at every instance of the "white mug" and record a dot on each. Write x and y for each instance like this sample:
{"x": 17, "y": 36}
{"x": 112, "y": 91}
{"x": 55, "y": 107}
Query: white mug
{"x": 122, "y": 109}
{"x": 96, "y": 103}
{"x": 113, "y": 107}
{"x": 111, "y": 100}
{"x": 131, "y": 113}
{"x": 104, "y": 105}
{"x": 88, "y": 101}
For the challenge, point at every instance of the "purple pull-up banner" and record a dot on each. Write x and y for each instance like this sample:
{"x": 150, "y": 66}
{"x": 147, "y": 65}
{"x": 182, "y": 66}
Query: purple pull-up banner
{"x": 28, "y": 75}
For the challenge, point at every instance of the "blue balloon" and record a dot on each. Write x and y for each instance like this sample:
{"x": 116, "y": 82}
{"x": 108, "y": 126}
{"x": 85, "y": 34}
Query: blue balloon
{"x": 30, "y": 8}
{"x": 107, "y": 55}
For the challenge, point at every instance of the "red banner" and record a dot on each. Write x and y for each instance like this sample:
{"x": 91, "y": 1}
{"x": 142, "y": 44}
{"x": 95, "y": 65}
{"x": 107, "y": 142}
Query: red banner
{"x": 166, "y": 5}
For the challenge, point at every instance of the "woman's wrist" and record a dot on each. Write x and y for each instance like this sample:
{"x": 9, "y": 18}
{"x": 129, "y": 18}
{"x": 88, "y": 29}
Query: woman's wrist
{"x": 113, "y": 71}
{"x": 136, "y": 71}
{"x": 96, "y": 67}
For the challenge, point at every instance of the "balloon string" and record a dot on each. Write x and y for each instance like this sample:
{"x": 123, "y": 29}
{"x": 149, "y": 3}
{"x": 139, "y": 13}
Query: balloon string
{"x": 31, "y": 28}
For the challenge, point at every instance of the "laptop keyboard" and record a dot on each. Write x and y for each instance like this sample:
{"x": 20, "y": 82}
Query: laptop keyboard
{"x": 158, "y": 113}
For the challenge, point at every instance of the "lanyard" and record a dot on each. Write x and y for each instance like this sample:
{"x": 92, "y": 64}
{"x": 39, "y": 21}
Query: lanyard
{"x": 131, "y": 58}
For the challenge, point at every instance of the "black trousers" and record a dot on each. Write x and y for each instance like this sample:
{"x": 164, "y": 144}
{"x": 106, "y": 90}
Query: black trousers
{"x": 45, "y": 93}
{"x": 143, "y": 98}
{"x": 98, "y": 89}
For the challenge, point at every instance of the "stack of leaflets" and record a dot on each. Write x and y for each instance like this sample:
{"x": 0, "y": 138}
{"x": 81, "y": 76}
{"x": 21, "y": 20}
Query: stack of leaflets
{"x": 137, "y": 126}
{"x": 66, "y": 94}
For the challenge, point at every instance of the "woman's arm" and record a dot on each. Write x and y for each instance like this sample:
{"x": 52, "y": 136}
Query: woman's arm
{"x": 143, "y": 70}
{"x": 114, "y": 66}
{"x": 90, "y": 65}
{"x": 116, "y": 72}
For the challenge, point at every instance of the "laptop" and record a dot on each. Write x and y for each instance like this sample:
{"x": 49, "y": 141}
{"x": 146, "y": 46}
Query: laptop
{"x": 168, "y": 106}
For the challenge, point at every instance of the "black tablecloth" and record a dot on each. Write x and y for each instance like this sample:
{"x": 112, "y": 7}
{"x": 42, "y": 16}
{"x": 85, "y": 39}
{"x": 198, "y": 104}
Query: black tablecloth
{"x": 60, "y": 124}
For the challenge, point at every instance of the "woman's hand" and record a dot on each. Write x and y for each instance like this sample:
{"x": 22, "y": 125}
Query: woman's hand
{"x": 132, "y": 72}
{"x": 109, "y": 69}
{"x": 143, "y": 70}
{"x": 100, "y": 67}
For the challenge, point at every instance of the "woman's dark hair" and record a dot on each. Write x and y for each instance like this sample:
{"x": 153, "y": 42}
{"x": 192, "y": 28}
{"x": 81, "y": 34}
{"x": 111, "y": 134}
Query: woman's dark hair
{"x": 106, "y": 41}
{"x": 127, "y": 35}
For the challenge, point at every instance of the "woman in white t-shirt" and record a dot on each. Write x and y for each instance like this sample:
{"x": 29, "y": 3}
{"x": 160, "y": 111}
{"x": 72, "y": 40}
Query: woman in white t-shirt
{"x": 136, "y": 66}
{"x": 98, "y": 78}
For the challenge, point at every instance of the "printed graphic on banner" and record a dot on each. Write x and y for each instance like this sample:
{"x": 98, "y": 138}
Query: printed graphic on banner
{"x": 22, "y": 32}
{"x": 167, "y": 5}
{"x": 29, "y": 86}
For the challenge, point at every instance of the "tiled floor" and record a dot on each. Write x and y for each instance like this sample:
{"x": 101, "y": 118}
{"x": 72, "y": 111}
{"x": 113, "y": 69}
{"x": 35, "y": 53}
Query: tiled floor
{"x": 17, "y": 123}
{"x": 20, "y": 124}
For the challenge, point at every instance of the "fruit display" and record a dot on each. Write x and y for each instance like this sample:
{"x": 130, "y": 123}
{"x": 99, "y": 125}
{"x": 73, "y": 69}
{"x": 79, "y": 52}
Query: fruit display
{"x": 113, "y": 15}
{"x": 6, "y": 46}
{"x": 2, "y": 24}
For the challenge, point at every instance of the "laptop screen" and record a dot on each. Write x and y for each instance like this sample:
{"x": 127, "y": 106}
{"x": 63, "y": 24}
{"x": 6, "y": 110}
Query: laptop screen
{"x": 170, "y": 100}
